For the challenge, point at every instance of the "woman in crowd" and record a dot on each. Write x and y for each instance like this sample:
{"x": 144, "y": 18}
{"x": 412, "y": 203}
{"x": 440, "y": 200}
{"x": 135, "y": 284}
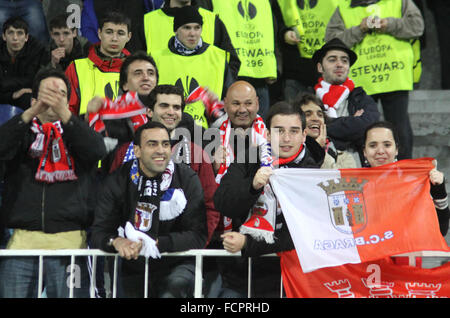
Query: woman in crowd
{"x": 381, "y": 147}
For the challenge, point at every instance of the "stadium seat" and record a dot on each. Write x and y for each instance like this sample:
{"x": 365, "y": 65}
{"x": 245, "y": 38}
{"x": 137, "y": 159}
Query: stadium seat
{"x": 8, "y": 111}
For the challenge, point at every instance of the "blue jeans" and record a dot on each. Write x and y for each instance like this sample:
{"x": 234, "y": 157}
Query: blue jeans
{"x": 171, "y": 282}
{"x": 31, "y": 11}
{"x": 19, "y": 277}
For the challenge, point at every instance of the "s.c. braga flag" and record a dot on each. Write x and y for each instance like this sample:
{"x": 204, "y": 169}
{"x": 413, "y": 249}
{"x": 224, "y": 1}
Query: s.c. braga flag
{"x": 345, "y": 216}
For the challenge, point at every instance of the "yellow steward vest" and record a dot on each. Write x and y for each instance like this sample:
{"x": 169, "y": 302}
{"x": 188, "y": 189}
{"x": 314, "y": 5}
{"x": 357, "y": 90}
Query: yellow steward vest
{"x": 417, "y": 67}
{"x": 158, "y": 29}
{"x": 189, "y": 72}
{"x": 309, "y": 21}
{"x": 250, "y": 26}
{"x": 384, "y": 64}
{"x": 93, "y": 82}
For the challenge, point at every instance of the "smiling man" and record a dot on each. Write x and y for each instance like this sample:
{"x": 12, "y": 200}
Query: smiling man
{"x": 162, "y": 203}
{"x": 98, "y": 74}
{"x": 349, "y": 108}
{"x": 166, "y": 106}
{"x": 316, "y": 127}
{"x": 245, "y": 188}
{"x": 138, "y": 73}
{"x": 241, "y": 105}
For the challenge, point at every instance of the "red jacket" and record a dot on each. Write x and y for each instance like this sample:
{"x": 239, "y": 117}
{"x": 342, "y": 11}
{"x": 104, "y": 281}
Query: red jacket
{"x": 105, "y": 65}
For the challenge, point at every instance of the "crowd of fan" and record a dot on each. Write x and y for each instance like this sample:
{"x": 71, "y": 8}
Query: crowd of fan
{"x": 109, "y": 148}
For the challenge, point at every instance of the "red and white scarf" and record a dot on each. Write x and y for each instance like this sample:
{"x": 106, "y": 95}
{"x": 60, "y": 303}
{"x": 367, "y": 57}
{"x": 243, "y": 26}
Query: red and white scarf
{"x": 55, "y": 163}
{"x": 258, "y": 138}
{"x": 214, "y": 108}
{"x": 127, "y": 105}
{"x": 333, "y": 96}
{"x": 261, "y": 221}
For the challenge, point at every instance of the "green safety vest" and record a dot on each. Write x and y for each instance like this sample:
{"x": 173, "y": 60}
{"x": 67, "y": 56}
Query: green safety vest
{"x": 384, "y": 64}
{"x": 93, "y": 82}
{"x": 250, "y": 26}
{"x": 189, "y": 72}
{"x": 310, "y": 22}
{"x": 417, "y": 67}
{"x": 158, "y": 28}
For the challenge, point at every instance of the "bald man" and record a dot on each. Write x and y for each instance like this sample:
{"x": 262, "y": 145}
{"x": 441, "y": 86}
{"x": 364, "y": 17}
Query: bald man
{"x": 241, "y": 105}
{"x": 239, "y": 146}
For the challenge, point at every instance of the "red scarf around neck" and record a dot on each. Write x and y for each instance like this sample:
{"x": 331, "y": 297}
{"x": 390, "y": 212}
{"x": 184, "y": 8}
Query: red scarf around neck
{"x": 333, "y": 96}
{"x": 284, "y": 161}
{"x": 55, "y": 163}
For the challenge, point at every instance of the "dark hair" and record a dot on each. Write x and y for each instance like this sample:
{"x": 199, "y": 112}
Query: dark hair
{"x": 164, "y": 89}
{"x": 284, "y": 108}
{"x": 306, "y": 98}
{"x": 383, "y": 124}
{"x": 46, "y": 73}
{"x": 59, "y": 22}
{"x": 148, "y": 125}
{"x": 114, "y": 17}
{"x": 137, "y": 56}
{"x": 17, "y": 23}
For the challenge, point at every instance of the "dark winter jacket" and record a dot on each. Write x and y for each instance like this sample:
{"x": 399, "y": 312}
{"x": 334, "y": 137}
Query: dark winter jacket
{"x": 20, "y": 73}
{"x": 49, "y": 207}
{"x": 235, "y": 197}
{"x": 117, "y": 205}
{"x": 348, "y": 131}
{"x": 79, "y": 51}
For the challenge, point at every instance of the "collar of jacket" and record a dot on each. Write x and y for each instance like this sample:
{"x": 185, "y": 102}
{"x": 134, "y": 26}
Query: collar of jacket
{"x": 200, "y": 50}
{"x": 362, "y": 3}
{"x": 106, "y": 64}
{"x": 315, "y": 151}
{"x": 31, "y": 47}
{"x": 76, "y": 53}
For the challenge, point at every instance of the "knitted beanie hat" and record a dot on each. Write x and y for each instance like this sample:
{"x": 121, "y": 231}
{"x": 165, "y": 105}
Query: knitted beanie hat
{"x": 184, "y": 15}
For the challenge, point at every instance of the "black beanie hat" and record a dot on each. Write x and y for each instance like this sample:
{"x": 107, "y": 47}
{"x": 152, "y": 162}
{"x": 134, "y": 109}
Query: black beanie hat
{"x": 184, "y": 15}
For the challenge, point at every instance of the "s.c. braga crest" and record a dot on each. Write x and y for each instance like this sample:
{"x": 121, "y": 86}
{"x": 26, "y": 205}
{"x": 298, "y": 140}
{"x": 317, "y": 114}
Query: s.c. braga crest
{"x": 144, "y": 215}
{"x": 350, "y": 216}
{"x": 346, "y": 204}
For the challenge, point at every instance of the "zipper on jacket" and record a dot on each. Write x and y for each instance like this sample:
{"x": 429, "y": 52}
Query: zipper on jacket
{"x": 42, "y": 207}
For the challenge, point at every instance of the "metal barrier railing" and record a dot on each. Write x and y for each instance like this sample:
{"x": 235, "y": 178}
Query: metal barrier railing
{"x": 199, "y": 254}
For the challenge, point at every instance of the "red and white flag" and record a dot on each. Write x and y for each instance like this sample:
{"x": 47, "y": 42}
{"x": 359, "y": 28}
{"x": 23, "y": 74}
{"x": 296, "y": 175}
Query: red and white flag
{"x": 337, "y": 217}
{"x": 378, "y": 279}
